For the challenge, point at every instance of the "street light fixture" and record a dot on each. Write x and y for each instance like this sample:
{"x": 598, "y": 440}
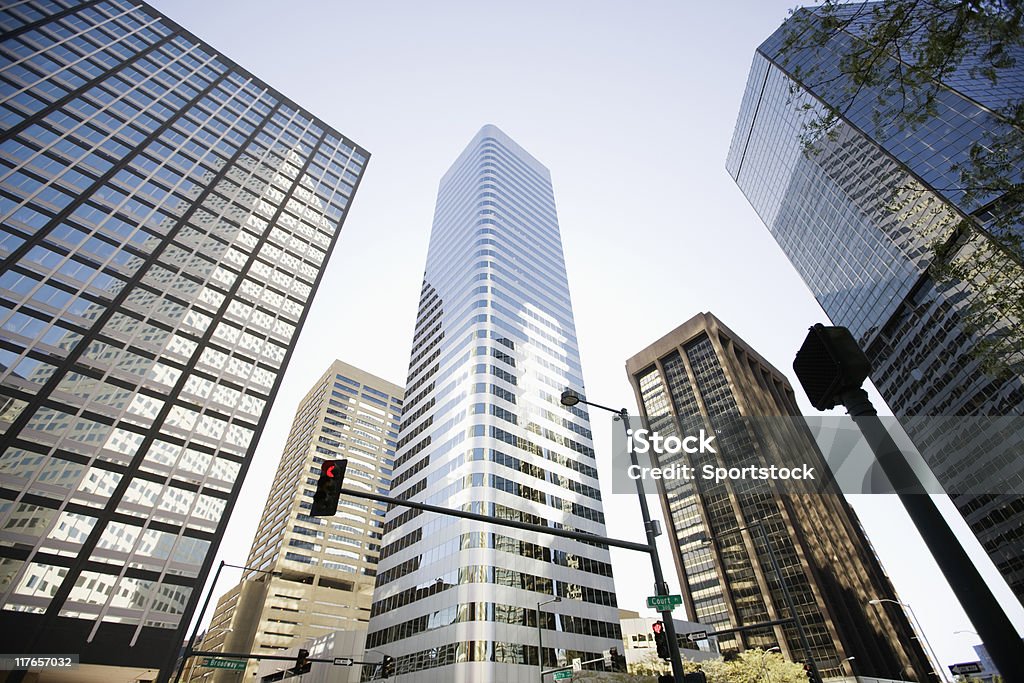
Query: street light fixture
{"x": 764, "y": 662}
{"x": 933, "y": 660}
{"x": 569, "y": 399}
{"x": 850, "y": 660}
{"x": 540, "y": 637}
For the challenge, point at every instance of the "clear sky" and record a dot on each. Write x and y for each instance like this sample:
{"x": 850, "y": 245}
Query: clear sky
{"x": 631, "y": 105}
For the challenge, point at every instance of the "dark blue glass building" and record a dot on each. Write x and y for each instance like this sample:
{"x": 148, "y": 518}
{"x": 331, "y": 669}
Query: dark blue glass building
{"x": 859, "y": 211}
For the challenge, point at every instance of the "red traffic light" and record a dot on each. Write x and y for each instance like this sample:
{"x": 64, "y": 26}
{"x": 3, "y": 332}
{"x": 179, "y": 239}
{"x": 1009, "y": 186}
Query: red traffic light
{"x": 658, "y": 626}
{"x": 328, "y": 488}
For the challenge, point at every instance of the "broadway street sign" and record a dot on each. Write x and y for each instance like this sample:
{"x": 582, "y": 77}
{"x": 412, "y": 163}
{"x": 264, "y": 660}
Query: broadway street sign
{"x": 233, "y": 664}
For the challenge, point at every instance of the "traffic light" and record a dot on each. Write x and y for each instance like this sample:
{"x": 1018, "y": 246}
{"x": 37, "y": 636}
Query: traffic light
{"x": 666, "y": 678}
{"x": 618, "y": 661}
{"x": 661, "y": 639}
{"x": 302, "y": 664}
{"x": 829, "y": 364}
{"x": 809, "y": 672}
{"x": 695, "y": 677}
{"x": 387, "y": 666}
{"x": 328, "y": 488}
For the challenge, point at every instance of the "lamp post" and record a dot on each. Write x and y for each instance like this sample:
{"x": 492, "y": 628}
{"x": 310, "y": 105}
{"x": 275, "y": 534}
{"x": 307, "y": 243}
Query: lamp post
{"x": 190, "y": 674}
{"x": 570, "y": 398}
{"x": 764, "y": 662}
{"x": 189, "y": 647}
{"x": 933, "y": 660}
{"x": 540, "y": 637}
{"x": 849, "y": 660}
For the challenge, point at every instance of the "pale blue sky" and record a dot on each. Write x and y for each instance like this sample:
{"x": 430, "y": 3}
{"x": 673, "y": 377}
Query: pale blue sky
{"x": 631, "y": 106}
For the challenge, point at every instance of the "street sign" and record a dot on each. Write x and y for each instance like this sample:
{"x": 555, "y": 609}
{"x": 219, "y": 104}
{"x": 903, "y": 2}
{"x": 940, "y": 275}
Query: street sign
{"x": 966, "y": 668}
{"x": 663, "y": 602}
{"x": 343, "y": 661}
{"x": 562, "y": 675}
{"x": 577, "y": 664}
{"x": 217, "y": 663}
{"x": 697, "y": 635}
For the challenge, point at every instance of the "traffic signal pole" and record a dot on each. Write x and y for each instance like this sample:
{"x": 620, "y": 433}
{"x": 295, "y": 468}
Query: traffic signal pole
{"x": 982, "y": 608}
{"x": 660, "y": 585}
{"x": 199, "y": 619}
{"x": 831, "y": 368}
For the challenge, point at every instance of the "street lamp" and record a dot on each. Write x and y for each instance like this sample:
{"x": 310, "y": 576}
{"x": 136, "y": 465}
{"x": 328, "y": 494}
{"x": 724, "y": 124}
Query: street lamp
{"x": 570, "y": 398}
{"x": 540, "y": 637}
{"x": 933, "y": 660}
{"x": 764, "y": 661}
{"x": 850, "y": 661}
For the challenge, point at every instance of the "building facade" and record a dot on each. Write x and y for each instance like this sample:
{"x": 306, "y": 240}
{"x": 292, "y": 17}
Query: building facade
{"x": 483, "y": 431}
{"x": 858, "y": 211}
{"x": 166, "y": 218}
{"x": 703, "y": 375}
{"x": 323, "y": 569}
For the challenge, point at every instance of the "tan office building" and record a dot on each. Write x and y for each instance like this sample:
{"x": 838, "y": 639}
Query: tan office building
{"x": 702, "y": 374}
{"x": 323, "y": 568}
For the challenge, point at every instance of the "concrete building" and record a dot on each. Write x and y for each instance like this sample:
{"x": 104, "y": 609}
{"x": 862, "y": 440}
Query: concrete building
{"x": 484, "y": 431}
{"x": 322, "y": 568}
{"x": 703, "y": 375}
{"x": 859, "y": 212}
{"x": 166, "y": 218}
{"x": 640, "y": 649}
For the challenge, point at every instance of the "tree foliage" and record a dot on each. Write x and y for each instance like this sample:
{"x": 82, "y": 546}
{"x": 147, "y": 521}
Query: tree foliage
{"x": 895, "y": 58}
{"x": 751, "y": 666}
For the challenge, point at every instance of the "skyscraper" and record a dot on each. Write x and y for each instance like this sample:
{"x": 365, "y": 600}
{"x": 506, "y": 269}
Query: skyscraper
{"x": 857, "y": 212}
{"x": 326, "y": 567}
{"x": 703, "y": 374}
{"x": 483, "y": 430}
{"x": 166, "y": 218}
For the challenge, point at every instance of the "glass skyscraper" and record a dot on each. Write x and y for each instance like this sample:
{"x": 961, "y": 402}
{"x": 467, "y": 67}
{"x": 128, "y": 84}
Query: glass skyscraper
{"x": 483, "y": 430}
{"x": 702, "y": 374}
{"x": 858, "y": 212}
{"x": 166, "y": 218}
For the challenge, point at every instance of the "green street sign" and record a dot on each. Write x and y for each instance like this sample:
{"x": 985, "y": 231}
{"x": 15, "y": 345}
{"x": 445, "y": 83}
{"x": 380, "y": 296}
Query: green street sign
{"x": 563, "y": 675}
{"x": 217, "y": 663}
{"x": 663, "y": 602}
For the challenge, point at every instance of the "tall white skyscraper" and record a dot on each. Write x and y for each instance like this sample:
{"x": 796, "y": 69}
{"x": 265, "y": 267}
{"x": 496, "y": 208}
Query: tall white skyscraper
{"x": 483, "y": 431}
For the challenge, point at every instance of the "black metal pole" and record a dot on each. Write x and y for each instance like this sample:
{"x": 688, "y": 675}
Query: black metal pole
{"x": 199, "y": 620}
{"x": 536, "y": 528}
{"x": 982, "y": 608}
{"x": 660, "y": 586}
